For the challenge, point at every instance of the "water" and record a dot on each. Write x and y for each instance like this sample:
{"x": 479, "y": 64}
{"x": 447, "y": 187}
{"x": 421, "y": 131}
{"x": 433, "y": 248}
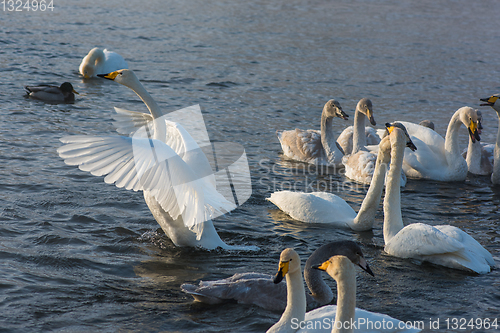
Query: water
{"x": 79, "y": 255}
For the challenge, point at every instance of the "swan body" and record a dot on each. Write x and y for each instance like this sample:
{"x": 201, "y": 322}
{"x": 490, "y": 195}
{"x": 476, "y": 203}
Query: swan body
{"x": 437, "y": 158}
{"x": 494, "y": 102}
{"x": 259, "y": 289}
{"x": 52, "y": 94}
{"x": 342, "y": 270}
{"x": 323, "y": 207}
{"x": 441, "y": 245}
{"x": 99, "y": 61}
{"x": 312, "y": 146}
{"x": 164, "y": 161}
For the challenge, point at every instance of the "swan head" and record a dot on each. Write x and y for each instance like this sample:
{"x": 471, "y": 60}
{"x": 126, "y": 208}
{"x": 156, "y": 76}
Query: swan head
{"x": 390, "y": 128}
{"x": 493, "y": 101}
{"x": 289, "y": 263}
{"x": 338, "y": 266}
{"x": 333, "y": 109}
{"x": 365, "y": 107}
{"x": 67, "y": 88}
{"x": 469, "y": 118}
{"x": 122, "y": 76}
{"x": 88, "y": 67}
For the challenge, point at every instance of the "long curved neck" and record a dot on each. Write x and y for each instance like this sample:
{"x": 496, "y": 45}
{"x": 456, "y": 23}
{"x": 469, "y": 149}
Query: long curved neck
{"x": 359, "y": 137}
{"x": 139, "y": 89}
{"x": 346, "y": 302}
{"x": 452, "y": 150}
{"x": 495, "y": 176}
{"x": 327, "y": 137}
{"x": 97, "y": 56}
{"x": 295, "y": 301}
{"x": 393, "y": 222}
{"x": 314, "y": 280}
{"x": 366, "y": 215}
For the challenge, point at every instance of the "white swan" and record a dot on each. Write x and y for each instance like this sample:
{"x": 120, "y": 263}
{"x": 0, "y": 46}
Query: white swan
{"x": 357, "y": 137}
{"x": 323, "y": 207}
{"x": 438, "y": 158}
{"x": 259, "y": 289}
{"x": 443, "y": 245}
{"x": 494, "y": 102}
{"x": 342, "y": 270}
{"x": 165, "y": 162}
{"x": 312, "y": 146}
{"x": 479, "y": 155}
{"x": 99, "y": 61}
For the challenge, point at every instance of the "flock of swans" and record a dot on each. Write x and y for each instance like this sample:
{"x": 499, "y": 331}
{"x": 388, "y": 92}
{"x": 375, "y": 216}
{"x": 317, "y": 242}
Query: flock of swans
{"x": 180, "y": 190}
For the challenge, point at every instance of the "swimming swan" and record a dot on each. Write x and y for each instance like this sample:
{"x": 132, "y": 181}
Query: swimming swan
{"x": 259, "y": 289}
{"x": 182, "y": 205}
{"x": 294, "y": 316}
{"x": 443, "y": 245}
{"x": 312, "y": 146}
{"x": 99, "y": 61}
{"x": 324, "y": 207}
{"x": 52, "y": 94}
{"x": 494, "y": 102}
{"x": 357, "y": 137}
{"x": 438, "y": 158}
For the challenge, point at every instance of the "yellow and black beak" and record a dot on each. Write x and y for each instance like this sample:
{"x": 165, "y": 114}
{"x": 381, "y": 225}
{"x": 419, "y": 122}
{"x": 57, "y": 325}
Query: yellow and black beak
{"x": 282, "y": 270}
{"x": 390, "y": 127}
{"x": 473, "y": 131}
{"x": 490, "y": 101}
{"x": 74, "y": 91}
{"x": 323, "y": 266}
{"x": 109, "y": 76}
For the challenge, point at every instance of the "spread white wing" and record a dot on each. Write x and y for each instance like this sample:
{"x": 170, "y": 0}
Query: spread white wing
{"x": 138, "y": 163}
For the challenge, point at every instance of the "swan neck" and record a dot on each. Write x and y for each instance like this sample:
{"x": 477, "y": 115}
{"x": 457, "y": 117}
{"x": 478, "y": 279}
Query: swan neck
{"x": 97, "y": 56}
{"x": 151, "y": 104}
{"x": 346, "y": 302}
{"x": 366, "y": 215}
{"x": 473, "y": 157}
{"x": 393, "y": 221}
{"x": 359, "y": 137}
{"x": 328, "y": 138}
{"x": 295, "y": 300}
{"x": 452, "y": 149}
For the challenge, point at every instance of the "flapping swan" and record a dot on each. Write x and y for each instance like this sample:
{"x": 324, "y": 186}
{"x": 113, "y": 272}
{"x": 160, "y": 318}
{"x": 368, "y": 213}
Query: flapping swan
{"x": 259, "y": 289}
{"x": 52, "y": 94}
{"x": 312, "y": 146}
{"x": 164, "y": 161}
{"x": 323, "y": 207}
{"x": 494, "y": 102}
{"x": 357, "y": 137}
{"x": 99, "y": 61}
{"x": 294, "y": 316}
{"x": 479, "y": 155}
{"x": 438, "y": 158}
{"x": 443, "y": 245}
